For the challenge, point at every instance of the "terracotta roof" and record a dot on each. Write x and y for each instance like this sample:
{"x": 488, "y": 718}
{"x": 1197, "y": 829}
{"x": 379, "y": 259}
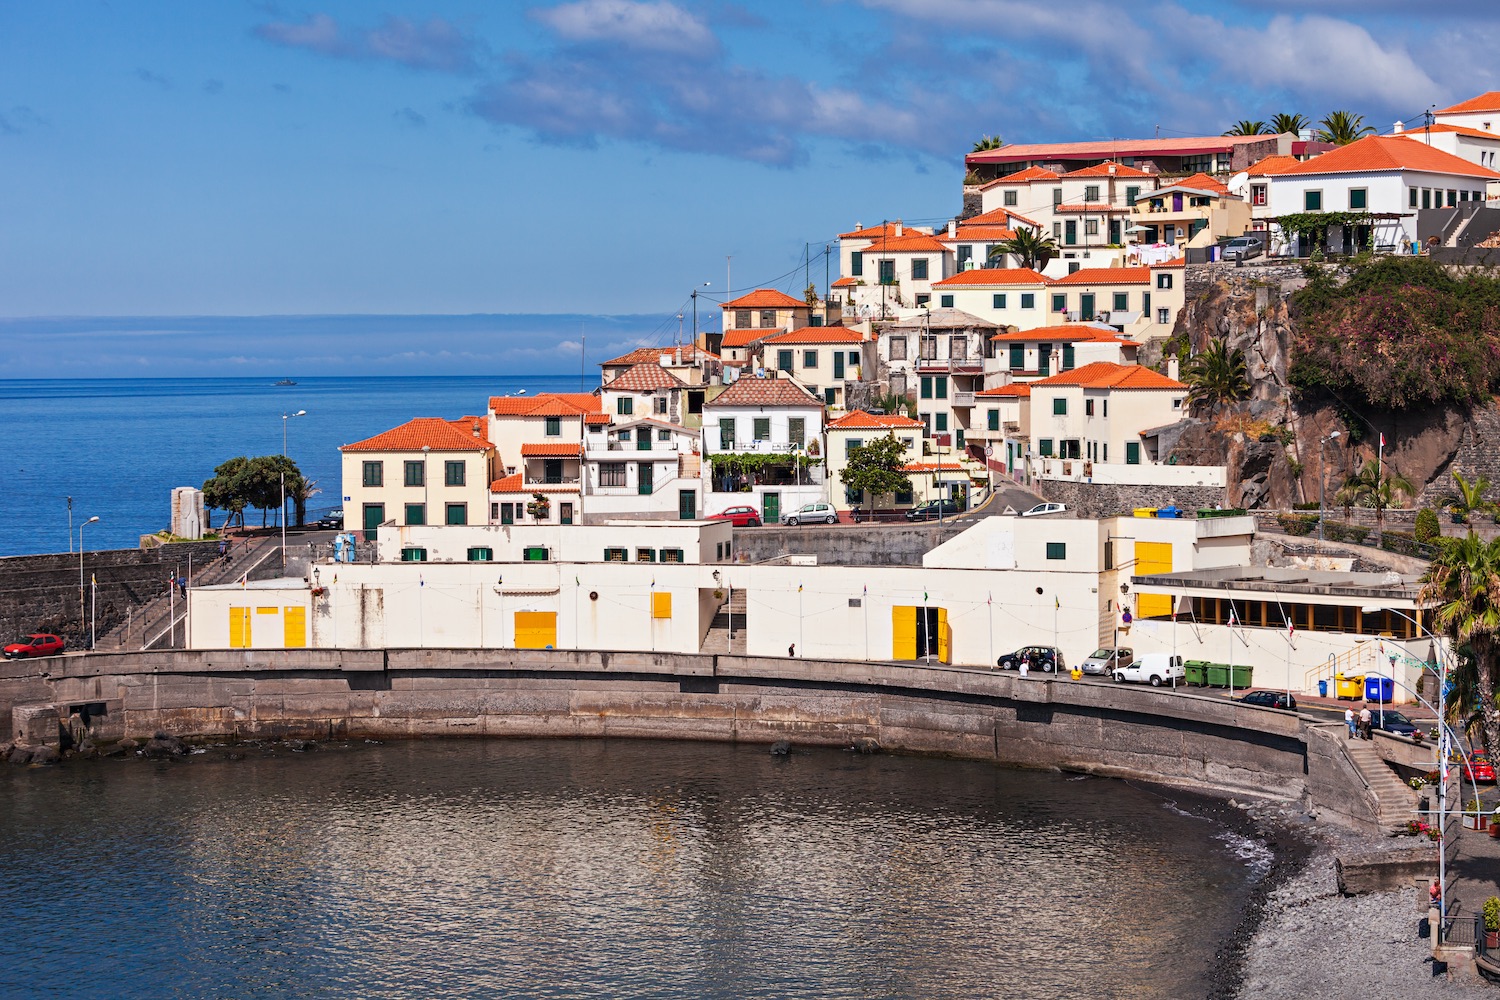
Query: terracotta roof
{"x": 998, "y": 217}
{"x": 433, "y": 433}
{"x": 594, "y": 419}
{"x": 1093, "y": 208}
{"x": 1106, "y": 375}
{"x": 845, "y": 282}
{"x": 1025, "y": 176}
{"x": 547, "y": 404}
{"x": 1388, "y": 152}
{"x": 908, "y": 243}
{"x": 1112, "y": 148}
{"x": 558, "y": 450}
{"x": 860, "y": 420}
{"x": 1473, "y": 133}
{"x": 744, "y": 338}
{"x": 870, "y": 232}
{"x": 1076, "y": 333}
{"x": 1107, "y": 276}
{"x": 819, "y": 335}
{"x": 943, "y": 318}
{"x": 507, "y": 484}
{"x": 933, "y": 467}
{"x": 1013, "y": 389}
{"x": 764, "y": 392}
{"x": 1197, "y": 182}
{"x": 1174, "y": 262}
{"x": 993, "y": 276}
{"x": 1488, "y": 101}
{"x": 970, "y": 231}
{"x": 1271, "y": 165}
{"x": 765, "y": 298}
{"x": 1108, "y": 169}
{"x": 645, "y": 377}
{"x": 691, "y": 354}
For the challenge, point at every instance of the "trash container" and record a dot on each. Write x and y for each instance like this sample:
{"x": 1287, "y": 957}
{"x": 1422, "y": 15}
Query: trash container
{"x": 1348, "y": 688}
{"x": 1218, "y": 675}
{"x": 1195, "y": 672}
{"x": 1145, "y": 512}
{"x": 1322, "y": 689}
{"x": 1379, "y": 688}
{"x": 1169, "y": 512}
{"x": 1241, "y": 676}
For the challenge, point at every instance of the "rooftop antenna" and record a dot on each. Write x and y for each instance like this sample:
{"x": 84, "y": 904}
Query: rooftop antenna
{"x": 583, "y": 365}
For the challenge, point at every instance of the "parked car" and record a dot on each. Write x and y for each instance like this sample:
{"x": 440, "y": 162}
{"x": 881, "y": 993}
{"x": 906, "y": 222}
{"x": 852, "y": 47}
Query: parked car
{"x": 934, "y": 509}
{"x": 1391, "y": 721}
{"x": 1243, "y": 248}
{"x": 36, "y": 644}
{"x": 1270, "y": 699}
{"x": 1155, "y": 669}
{"x": 1478, "y": 770}
{"x": 333, "y": 519}
{"x": 1045, "y": 508}
{"x": 1105, "y": 660}
{"x": 812, "y": 512}
{"x": 741, "y": 517}
{"x": 1047, "y": 658}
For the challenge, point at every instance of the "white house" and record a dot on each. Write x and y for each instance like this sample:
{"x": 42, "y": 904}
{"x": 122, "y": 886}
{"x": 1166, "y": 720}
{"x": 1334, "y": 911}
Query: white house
{"x": 1024, "y": 355}
{"x": 1096, "y": 413}
{"x": 1001, "y": 428}
{"x": 859, "y": 428}
{"x": 1004, "y": 296}
{"x": 1480, "y": 113}
{"x": 428, "y": 470}
{"x": 822, "y": 358}
{"x": 939, "y": 359}
{"x": 761, "y": 439}
{"x": 642, "y": 468}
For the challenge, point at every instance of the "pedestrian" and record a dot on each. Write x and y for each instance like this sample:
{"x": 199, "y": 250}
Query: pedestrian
{"x": 223, "y": 548}
{"x": 1364, "y": 722}
{"x": 182, "y": 585}
{"x": 791, "y": 650}
{"x": 1349, "y": 721}
{"x": 1025, "y": 667}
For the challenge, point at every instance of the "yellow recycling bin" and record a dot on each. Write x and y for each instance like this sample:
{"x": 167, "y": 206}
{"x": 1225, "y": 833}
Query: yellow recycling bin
{"x": 1349, "y": 688}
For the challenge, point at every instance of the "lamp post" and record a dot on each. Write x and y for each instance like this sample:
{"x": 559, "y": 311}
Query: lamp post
{"x": 82, "y": 610}
{"x": 284, "y": 418}
{"x": 695, "y": 312}
{"x": 1323, "y": 481}
{"x": 70, "y": 523}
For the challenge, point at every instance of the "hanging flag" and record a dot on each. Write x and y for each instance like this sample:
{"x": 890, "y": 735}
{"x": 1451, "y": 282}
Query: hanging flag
{"x": 93, "y": 579}
{"x": 867, "y": 590}
{"x": 924, "y": 597}
{"x": 576, "y": 582}
{"x": 1233, "y": 621}
{"x": 335, "y": 578}
{"x": 799, "y": 588}
{"x": 1382, "y": 439}
{"x": 244, "y": 579}
{"x": 421, "y": 582}
{"x": 1056, "y": 604}
{"x": 989, "y": 598}
{"x": 1290, "y": 628}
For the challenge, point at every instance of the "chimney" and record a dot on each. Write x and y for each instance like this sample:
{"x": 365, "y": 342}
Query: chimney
{"x": 1111, "y": 170}
{"x": 952, "y": 228}
{"x": 899, "y": 228}
{"x": 858, "y": 226}
{"x": 1172, "y": 368}
{"x": 1398, "y": 128}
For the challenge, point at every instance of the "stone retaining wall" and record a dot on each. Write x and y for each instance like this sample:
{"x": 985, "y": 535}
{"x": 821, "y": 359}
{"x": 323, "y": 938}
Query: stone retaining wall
{"x": 899, "y": 544}
{"x": 1106, "y": 500}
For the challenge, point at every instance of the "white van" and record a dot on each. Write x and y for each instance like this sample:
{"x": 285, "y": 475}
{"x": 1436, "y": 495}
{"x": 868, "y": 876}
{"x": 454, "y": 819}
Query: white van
{"x": 1153, "y": 668}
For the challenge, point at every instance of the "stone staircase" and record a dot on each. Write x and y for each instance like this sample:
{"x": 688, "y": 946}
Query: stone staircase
{"x": 1395, "y": 799}
{"x": 717, "y": 640}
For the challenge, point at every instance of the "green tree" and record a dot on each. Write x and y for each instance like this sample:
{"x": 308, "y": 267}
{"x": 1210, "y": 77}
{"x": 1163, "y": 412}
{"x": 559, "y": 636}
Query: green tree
{"x": 891, "y": 402}
{"x": 1464, "y": 583}
{"x": 875, "y": 469}
{"x": 988, "y": 142}
{"x": 1247, "y": 127}
{"x": 1470, "y": 497}
{"x": 1377, "y": 487}
{"x": 1284, "y": 123}
{"x": 1342, "y": 128}
{"x": 304, "y": 490}
{"x": 1216, "y": 376}
{"x": 1427, "y": 528}
{"x": 224, "y": 492}
{"x": 1034, "y": 248}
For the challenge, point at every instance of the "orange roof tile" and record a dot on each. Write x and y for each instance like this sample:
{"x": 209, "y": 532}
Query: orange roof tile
{"x": 764, "y": 392}
{"x": 1077, "y": 333}
{"x": 845, "y": 282}
{"x": 933, "y": 467}
{"x": 1093, "y": 208}
{"x": 1488, "y": 101}
{"x": 1013, "y": 389}
{"x": 1388, "y": 152}
{"x": 870, "y": 232}
{"x": 594, "y": 419}
{"x": 507, "y": 484}
{"x": 1108, "y": 169}
{"x": 987, "y": 276}
{"x": 552, "y": 450}
{"x": 1198, "y": 182}
{"x": 1473, "y": 133}
{"x": 691, "y": 354}
{"x": 860, "y": 420}
{"x": 765, "y": 298}
{"x": 970, "y": 231}
{"x": 647, "y": 376}
{"x": 1107, "y": 375}
{"x": 744, "y": 338}
{"x": 819, "y": 335}
{"x": 909, "y": 243}
{"x": 1174, "y": 262}
{"x": 433, "y": 433}
{"x": 1106, "y": 276}
{"x": 546, "y": 404}
{"x": 1025, "y": 176}
{"x": 1272, "y": 165}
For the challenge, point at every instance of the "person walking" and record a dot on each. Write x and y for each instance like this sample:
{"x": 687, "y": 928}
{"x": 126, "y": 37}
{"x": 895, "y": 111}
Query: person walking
{"x": 1364, "y": 722}
{"x": 1349, "y": 721}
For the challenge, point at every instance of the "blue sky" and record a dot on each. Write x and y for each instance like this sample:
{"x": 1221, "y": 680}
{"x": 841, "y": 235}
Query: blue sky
{"x": 560, "y": 160}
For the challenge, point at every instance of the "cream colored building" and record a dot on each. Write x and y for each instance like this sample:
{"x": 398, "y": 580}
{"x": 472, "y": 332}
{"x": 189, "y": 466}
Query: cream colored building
{"x": 1096, "y": 413}
{"x": 860, "y": 428}
{"x": 428, "y": 470}
{"x": 822, "y": 358}
{"x": 756, "y": 315}
{"x": 1005, "y": 296}
{"x": 1196, "y": 211}
{"x": 1002, "y": 428}
{"x": 1140, "y": 302}
{"x": 1025, "y": 355}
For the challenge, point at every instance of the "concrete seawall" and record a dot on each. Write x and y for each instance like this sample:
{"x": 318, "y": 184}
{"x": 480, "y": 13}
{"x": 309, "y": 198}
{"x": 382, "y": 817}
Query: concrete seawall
{"x": 1036, "y": 722}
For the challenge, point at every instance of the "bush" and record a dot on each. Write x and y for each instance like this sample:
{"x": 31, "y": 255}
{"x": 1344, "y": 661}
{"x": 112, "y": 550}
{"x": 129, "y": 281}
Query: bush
{"x": 1296, "y": 524}
{"x": 1313, "y": 505}
{"x": 1336, "y": 531}
{"x": 1405, "y": 544}
{"x": 1427, "y": 528}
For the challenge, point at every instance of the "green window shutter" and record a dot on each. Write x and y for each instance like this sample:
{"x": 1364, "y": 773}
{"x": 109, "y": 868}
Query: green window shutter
{"x": 784, "y": 360}
{"x": 456, "y": 513}
{"x": 994, "y": 421}
{"x": 726, "y": 433}
{"x": 999, "y": 301}
{"x": 1358, "y": 198}
{"x": 1121, "y": 301}
{"x": 413, "y": 555}
{"x": 1028, "y": 300}
{"x": 1132, "y": 453}
{"x": 856, "y": 265}
{"x": 1017, "y": 357}
{"x": 535, "y": 553}
{"x": 554, "y": 426}
{"x": 481, "y": 554}
{"x": 374, "y": 474}
{"x": 940, "y": 383}
{"x": 1059, "y": 302}
{"x": 453, "y": 473}
{"x": 926, "y": 386}
{"x": 809, "y": 359}
{"x": 1046, "y": 446}
{"x": 416, "y": 513}
{"x": 1067, "y": 356}
{"x": 1057, "y": 550}
{"x": 940, "y": 421}
{"x": 762, "y": 428}
{"x": 919, "y": 269}
{"x": 1059, "y": 407}
{"x": 625, "y": 406}
{"x": 945, "y": 301}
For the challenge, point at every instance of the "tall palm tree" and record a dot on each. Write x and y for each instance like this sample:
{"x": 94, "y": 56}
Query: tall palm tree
{"x": 299, "y": 493}
{"x": 1470, "y": 497}
{"x": 1464, "y": 582}
{"x": 1283, "y": 123}
{"x": 1342, "y": 128}
{"x": 988, "y": 142}
{"x": 1246, "y": 127}
{"x": 1216, "y": 376}
{"x": 1030, "y": 245}
{"x": 1376, "y": 487}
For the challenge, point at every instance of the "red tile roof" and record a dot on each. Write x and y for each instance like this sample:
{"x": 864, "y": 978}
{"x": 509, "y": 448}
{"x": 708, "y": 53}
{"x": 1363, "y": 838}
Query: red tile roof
{"x": 764, "y": 392}
{"x": 819, "y": 335}
{"x": 765, "y": 298}
{"x": 1108, "y": 169}
{"x": 1025, "y": 176}
{"x": 1076, "y": 333}
{"x": 1473, "y": 133}
{"x": 845, "y": 282}
{"x": 908, "y": 243}
{"x": 433, "y": 433}
{"x": 507, "y": 484}
{"x": 552, "y": 450}
{"x": 1092, "y": 208}
{"x": 1106, "y": 375}
{"x": 1388, "y": 152}
{"x": 594, "y": 419}
{"x": 996, "y": 217}
{"x": 971, "y": 232}
{"x": 1112, "y": 148}
{"x": 1107, "y": 276}
{"x": 987, "y": 276}
{"x": 860, "y": 420}
{"x": 647, "y": 376}
{"x": 933, "y": 467}
{"x": 744, "y": 338}
{"x": 870, "y": 232}
{"x": 691, "y": 354}
{"x": 1488, "y": 101}
{"x": 1013, "y": 389}
{"x": 1272, "y": 165}
{"x": 546, "y": 404}
{"x": 1198, "y": 182}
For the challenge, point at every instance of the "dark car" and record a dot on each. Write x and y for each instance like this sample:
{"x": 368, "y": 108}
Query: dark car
{"x": 1047, "y": 658}
{"x": 1270, "y": 699}
{"x": 933, "y": 509}
{"x": 36, "y": 644}
{"x": 1391, "y": 721}
{"x": 333, "y": 519}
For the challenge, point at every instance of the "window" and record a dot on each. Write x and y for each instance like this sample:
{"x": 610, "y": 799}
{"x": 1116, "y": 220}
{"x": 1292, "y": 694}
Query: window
{"x": 625, "y": 435}
{"x": 898, "y": 348}
{"x": 1017, "y": 357}
{"x": 625, "y": 406}
{"x": 1028, "y": 300}
{"x": 1091, "y": 193}
{"x": 645, "y": 555}
{"x": 508, "y": 513}
{"x": 1146, "y": 304}
{"x": 565, "y": 513}
{"x": 1131, "y": 194}
{"x": 534, "y": 553}
{"x": 809, "y": 359}
{"x": 1088, "y": 407}
{"x": 1121, "y": 301}
{"x": 919, "y": 269}
{"x": 413, "y": 555}
{"x": 1452, "y": 198}
{"x": 1057, "y": 230}
{"x": 887, "y": 270}
{"x": 671, "y": 555}
{"x": 762, "y": 428}
{"x": 994, "y": 420}
{"x": 958, "y": 348}
{"x": 1164, "y": 280}
{"x": 1257, "y": 194}
{"x": 1132, "y": 453}
{"x": 1412, "y": 201}
{"x": 726, "y": 434}
{"x": 926, "y": 386}
{"x": 553, "y": 427}
{"x": 1010, "y": 199}
{"x": 1057, "y": 550}
{"x": 659, "y": 405}
{"x": 456, "y": 513}
{"x": 767, "y": 317}
{"x": 494, "y": 512}
{"x": 958, "y": 440}
{"x": 856, "y": 265}
{"x": 416, "y": 473}
{"x": 1059, "y": 407}
{"x": 796, "y": 430}
{"x": 416, "y": 513}
{"x": 850, "y": 444}
{"x": 922, "y": 300}
{"x": 1164, "y": 315}
{"x": 1359, "y": 198}
{"x": 1059, "y": 302}
{"x": 479, "y": 553}
{"x": 784, "y": 360}
{"x": 1312, "y": 201}
{"x": 741, "y": 319}
{"x": 616, "y": 555}
{"x": 453, "y": 473}
{"x": 1046, "y": 447}
{"x": 1427, "y": 197}
{"x": 612, "y": 474}
{"x": 374, "y": 474}
{"x": 663, "y": 435}
{"x": 909, "y": 443}
{"x": 999, "y": 300}
{"x": 1091, "y": 227}
{"x": 940, "y": 422}
{"x": 945, "y": 301}
{"x": 940, "y": 386}
{"x": 1056, "y": 197}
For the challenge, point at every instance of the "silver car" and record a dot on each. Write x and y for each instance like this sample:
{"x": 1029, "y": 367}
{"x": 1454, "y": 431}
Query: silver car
{"x": 1243, "y": 248}
{"x": 1106, "y": 660}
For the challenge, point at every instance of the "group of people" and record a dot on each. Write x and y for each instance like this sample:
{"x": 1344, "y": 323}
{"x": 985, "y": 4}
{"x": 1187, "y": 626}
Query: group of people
{"x": 1359, "y": 725}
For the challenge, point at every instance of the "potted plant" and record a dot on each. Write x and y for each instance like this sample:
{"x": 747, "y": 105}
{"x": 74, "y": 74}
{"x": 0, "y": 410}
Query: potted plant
{"x": 1492, "y": 922}
{"x": 1474, "y": 819}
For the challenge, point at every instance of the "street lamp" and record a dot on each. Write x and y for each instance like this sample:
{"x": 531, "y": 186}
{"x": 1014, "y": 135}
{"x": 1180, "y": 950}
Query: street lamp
{"x": 81, "y": 608}
{"x": 695, "y": 312}
{"x": 284, "y": 418}
{"x": 1323, "y": 481}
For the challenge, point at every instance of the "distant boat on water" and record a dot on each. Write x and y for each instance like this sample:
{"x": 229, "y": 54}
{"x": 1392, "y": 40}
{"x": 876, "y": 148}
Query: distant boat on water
{"x": 285, "y": 381}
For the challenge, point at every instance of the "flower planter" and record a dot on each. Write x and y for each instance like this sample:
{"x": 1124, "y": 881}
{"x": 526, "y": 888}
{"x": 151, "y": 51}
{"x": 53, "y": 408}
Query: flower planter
{"x": 1476, "y": 822}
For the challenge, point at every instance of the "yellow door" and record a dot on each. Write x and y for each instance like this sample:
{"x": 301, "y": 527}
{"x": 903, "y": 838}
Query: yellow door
{"x": 239, "y": 628}
{"x": 294, "y": 628}
{"x": 536, "y": 629}
{"x": 1153, "y": 557}
{"x": 661, "y": 604}
{"x": 944, "y": 637}
{"x": 903, "y": 633}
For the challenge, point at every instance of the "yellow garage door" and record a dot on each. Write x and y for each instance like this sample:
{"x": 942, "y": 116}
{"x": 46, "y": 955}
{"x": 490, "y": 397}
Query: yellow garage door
{"x": 903, "y": 633}
{"x": 294, "y": 631}
{"x": 944, "y": 637}
{"x": 239, "y": 628}
{"x": 1153, "y": 557}
{"x": 536, "y": 629}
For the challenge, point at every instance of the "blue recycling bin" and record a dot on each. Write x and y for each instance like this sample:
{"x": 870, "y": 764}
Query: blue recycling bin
{"x": 1379, "y": 688}
{"x": 1173, "y": 511}
{"x": 1322, "y": 689}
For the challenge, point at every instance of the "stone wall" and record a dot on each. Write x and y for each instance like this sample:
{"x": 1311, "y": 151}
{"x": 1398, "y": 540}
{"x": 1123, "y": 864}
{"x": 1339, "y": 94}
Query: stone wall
{"x": 1105, "y": 500}
{"x": 1280, "y": 276}
{"x": 901, "y": 544}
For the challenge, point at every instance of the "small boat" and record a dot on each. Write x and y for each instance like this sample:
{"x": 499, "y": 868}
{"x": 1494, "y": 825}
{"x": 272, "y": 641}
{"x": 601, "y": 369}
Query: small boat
{"x": 285, "y": 381}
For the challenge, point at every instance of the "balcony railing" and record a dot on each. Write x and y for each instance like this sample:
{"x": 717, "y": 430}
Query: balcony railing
{"x": 963, "y": 399}
{"x": 550, "y": 480}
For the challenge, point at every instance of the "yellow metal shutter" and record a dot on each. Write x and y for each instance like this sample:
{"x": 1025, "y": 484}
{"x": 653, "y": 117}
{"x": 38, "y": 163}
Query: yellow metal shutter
{"x": 536, "y": 629}
{"x": 1153, "y": 557}
{"x": 239, "y": 628}
{"x": 294, "y": 628}
{"x": 945, "y": 637}
{"x": 661, "y": 604}
{"x": 903, "y": 633}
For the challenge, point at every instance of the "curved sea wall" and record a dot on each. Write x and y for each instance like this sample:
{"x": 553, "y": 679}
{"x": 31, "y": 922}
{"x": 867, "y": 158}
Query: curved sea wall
{"x": 1039, "y": 721}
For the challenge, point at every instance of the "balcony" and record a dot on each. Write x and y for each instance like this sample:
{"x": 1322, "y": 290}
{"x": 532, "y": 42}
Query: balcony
{"x": 963, "y": 400}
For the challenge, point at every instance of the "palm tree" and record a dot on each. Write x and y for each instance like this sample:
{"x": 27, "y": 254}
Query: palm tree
{"x": 1342, "y": 128}
{"x": 1247, "y": 127}
{"x": 1034, "y": 248}
{"x": 299, "y": 493}
{"x": 1470, "y": 497}
{"x": 1376, "y": 487}
{"x": 1283, "y": 123}
{"x": 988, "y": 142}
{"x": 1464, "y": 582}
{"x": 1216, "y": 376}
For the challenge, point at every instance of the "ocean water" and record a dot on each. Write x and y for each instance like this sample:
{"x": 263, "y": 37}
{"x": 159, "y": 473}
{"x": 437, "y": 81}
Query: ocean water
{"x": 627, "y": 869}
{"x": 119, "y": 446}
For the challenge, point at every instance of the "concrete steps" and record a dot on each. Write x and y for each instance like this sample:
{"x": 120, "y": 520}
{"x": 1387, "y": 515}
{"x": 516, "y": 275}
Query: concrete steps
{"x": 1395, "y": 797}
{"x": 717, "y": 640}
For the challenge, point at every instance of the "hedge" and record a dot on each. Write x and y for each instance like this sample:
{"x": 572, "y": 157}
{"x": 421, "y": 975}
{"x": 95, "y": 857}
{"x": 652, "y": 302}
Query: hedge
{"x": 1296, "y": 524}
{"x": 1337, "y": 531}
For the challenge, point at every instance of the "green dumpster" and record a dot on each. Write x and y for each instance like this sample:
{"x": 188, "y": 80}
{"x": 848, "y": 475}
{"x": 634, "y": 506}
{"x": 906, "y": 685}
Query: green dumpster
{"x": 1218, "y": 675}
{"x": 1241, "y": 676}
{"x": 1196, "y": 671}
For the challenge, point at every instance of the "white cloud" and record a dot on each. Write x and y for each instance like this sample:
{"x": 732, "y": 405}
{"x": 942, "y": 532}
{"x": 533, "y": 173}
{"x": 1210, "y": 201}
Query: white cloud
{"x": 652, "y": 25}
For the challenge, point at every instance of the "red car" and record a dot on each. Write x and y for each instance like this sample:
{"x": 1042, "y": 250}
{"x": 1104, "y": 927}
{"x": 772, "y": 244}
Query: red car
{"x": 740, "y": 517}
{"x": 1481, "y": 772}
{"x": 39, "y": 644}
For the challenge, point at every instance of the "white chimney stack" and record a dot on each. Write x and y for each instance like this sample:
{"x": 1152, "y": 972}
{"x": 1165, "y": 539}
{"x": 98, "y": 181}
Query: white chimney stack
{"x": 1398, "y": 128}
{"x": 1172, "y": 368}
{"x": 952, "y": 228}
{"x": 899, "y": 227}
